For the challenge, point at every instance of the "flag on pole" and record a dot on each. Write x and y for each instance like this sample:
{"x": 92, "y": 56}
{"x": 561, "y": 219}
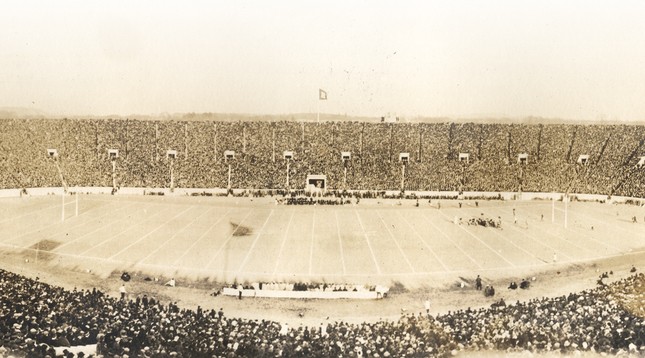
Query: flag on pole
{"x": 322, "y": 95}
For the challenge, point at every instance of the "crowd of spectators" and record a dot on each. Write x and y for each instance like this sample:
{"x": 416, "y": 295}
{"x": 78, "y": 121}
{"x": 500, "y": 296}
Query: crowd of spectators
{"x": 258, "y": 163}
{"x": 592, "y": 320}
{"x": 35, "y": 317}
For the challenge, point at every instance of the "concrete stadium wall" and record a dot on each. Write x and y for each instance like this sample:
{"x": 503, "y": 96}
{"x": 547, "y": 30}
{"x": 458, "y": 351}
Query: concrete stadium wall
{"x": 89, "y": 190}
{"x": 45, "y": 191}
{"x": 12, "y": 193}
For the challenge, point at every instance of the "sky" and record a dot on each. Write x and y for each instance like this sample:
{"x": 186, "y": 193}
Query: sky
{"x": 581, "y": 60}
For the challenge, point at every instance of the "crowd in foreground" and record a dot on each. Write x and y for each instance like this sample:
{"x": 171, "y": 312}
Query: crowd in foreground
{"x": 35, "y": 317}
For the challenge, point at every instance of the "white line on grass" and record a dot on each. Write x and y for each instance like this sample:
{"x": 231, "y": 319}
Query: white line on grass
{"x": 396, "y": 242}
{"x": 284, "y": 240}
{"x": 174, "y": 264}
{"x": 517, "y": 246}
{"x": 109, "y": 238}
{"x": 454, "y": 243}
{"x": 552, "y": 249}
{"x": 369, "y": 245}
{"x": 107, "y": 224}
{"x": 57, "y": 223}
{"x": 229, "y": 238}
{"x": 423, "y": 241}
{"x": 159, "y": 247}
{"x": 311, "y": 248}
{"x": 591, "y": 218}
{"x": 30, "y": 213}
{"x": 248, "y": 254}
{"x": 591, "y": 237}
{"x": 397, "y": 275}
{"x": 536, "y": 240}
{"x": 24, "y": 205}
{"x": 583, "y": 234}
{"x": 340, "y": 243}
{"x": 482, "y": 241}
{"x": 117, "y": 234}
{"x": 149, "y": 233}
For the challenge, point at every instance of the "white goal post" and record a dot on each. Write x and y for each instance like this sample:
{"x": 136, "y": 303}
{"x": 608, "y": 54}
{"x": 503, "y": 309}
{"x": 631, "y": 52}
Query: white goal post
{"x": 63, "y": 204}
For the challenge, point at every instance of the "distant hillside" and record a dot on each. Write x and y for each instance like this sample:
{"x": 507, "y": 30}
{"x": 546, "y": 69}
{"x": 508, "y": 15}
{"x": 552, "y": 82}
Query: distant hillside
{"x": 20, "y": 112}
{"x": 312, "y": 117}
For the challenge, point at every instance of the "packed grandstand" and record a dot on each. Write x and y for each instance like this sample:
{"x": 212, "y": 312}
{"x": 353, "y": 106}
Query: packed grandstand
{"x": 35, "y": 317}
{"x": 598, "y": 159}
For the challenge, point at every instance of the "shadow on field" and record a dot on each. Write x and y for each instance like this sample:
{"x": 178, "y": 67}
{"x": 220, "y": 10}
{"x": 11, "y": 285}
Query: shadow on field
{"x": 42, "y": 249}
{"x": 239, "y": 230}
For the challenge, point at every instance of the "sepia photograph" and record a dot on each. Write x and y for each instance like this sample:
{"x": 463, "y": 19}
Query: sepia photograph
{"x": 322, "y": 179}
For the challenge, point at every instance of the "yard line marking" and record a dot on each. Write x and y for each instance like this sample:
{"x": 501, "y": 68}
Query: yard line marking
{"x": 340, "y": 242}
{"x": 423, "y": 241}
{"x": 482, "y": 241}
{"x": 107, "y": 224}
{"x": 590, "y": 218}
{"x": 229, "y": 238}
{"x": 30, "y": 213}
{"x": 453, "y": 242}
{"x": 174, "y": 264}
{"x": 248, "y": 254}
{"x": 149, "y": 233}
{"x": 173, "y": 236}
{"x": 113, "y": 236}
{"x": 24, "y": 202}
{"x": 367, "y": 275}
{"x": 583, "y": 234}
{"x": 533, "y": 238}
{"x": 58, "y": 223}
{"x": 54, "y": 224}
{"x": 284, "y": 240}
{"x": 519, "y": 247}
{"x": 396, "y": 242}
{"x": 26, "y": 209}
{"x": 311, "y": 248}
{"x": 369, "y": 245}
{"x": 591, "y": 237}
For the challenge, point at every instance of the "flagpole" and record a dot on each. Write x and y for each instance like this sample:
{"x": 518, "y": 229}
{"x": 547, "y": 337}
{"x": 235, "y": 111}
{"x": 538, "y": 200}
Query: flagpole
{"x": 322, "y": 96}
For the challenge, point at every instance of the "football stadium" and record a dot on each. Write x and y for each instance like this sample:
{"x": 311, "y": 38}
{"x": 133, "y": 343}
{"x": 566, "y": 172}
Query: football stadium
{"x": 200, "y": 237}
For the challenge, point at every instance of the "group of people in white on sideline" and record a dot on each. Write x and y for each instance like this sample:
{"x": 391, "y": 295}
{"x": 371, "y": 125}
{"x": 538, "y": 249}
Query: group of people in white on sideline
{"x": 301, "y": 286}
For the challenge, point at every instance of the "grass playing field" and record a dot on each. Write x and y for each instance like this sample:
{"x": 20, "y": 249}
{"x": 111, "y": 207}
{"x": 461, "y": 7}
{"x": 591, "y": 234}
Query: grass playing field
{"x": 241, "y": 239}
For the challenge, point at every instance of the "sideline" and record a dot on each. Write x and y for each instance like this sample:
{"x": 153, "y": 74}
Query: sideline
{"x": 573, "y": 278}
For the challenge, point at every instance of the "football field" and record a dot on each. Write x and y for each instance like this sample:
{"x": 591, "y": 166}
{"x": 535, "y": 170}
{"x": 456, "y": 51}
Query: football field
{"x": 376, "y": 241}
